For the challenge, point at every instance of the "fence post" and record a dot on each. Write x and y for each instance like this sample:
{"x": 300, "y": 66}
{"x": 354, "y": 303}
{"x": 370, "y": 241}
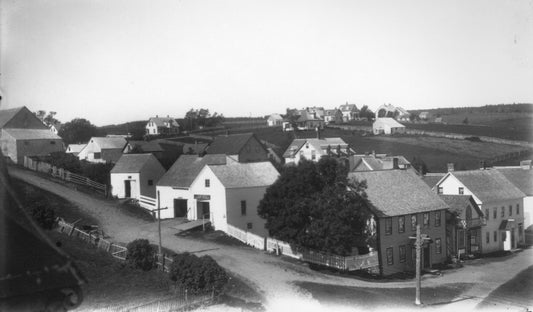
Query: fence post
{"x": 71, "y": 231}
{"x": 185, "y": 295}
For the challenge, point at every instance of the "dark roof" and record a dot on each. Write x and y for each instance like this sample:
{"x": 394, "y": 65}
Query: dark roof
{"x": 431, "y": 179}
{"x": 146, "y": 147}
{"x": 398, "y": 192}
{"x": 488, "y": 185}
{"x": 186, "y": 169}
{"x": 160, "y": 121}
{"x": 7, "y": 114}
{"x": 458, "y": 203}
{"x": 32, "y": 134}
{"x": 521, "y": 178}
{"x": 371, "y": 162}
{"x": 132, "y": 163}
{"x": 229, "y": 144}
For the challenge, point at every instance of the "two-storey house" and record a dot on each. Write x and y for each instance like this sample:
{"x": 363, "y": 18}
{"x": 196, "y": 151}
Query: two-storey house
{"x": 162, "y": 126}
{"x": 349, "y": 112}
{"x": 314, "y": 149}
{"x": 399, "y": 200}
{"x": 333, "y": 116}
{"x": 103, "y": 149}
{"x": 500, "y": 201}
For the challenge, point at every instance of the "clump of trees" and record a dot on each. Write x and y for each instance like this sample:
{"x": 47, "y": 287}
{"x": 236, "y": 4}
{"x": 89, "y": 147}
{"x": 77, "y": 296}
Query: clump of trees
{"x": 365, "y": 112}
{"x": 97, "y": 172}
{"x": 201, "y": 118}
{"x": 78, "y": 130}
{"x": 315, "y": 205}
{"x": 198, "y": 274}
{"x": 141, "y": 255}
{"x": 419, "y": 165}
{"x": 47, "y": 118}
{"x": 43, "y": 215}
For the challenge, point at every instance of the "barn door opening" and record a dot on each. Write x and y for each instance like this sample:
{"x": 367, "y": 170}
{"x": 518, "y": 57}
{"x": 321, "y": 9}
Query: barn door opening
{"x": 127, "y": 188}
{"x": 180, "y": 208}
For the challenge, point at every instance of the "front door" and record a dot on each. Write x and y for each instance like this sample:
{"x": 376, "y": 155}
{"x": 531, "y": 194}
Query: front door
{"x": 513, "y": 243}
{"x": 127, "y": 188}
{"x": 427, "y": 263}
{"x": 180, "y": 208}
{"x": 202, "y": 210}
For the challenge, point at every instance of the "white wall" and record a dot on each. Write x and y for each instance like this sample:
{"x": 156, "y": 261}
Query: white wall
{"x": 167, "y": 195}
{"x": 118, "y": 187}
{"x": 252, "y": 196}
{"x": 217, "y": 201}
{"x": 528, "y": 212}
{"x": 87, "y": 153}
{"x": 307, "y": 153}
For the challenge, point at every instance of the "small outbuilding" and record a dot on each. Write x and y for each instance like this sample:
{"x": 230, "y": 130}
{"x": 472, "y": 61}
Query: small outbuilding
{"x": 103, "y": 150}
{"x": 274, "y": 120}
{"x": 17, "y": 143}
{"x": 135, "y": 175}
{"x": 387, "y": 125}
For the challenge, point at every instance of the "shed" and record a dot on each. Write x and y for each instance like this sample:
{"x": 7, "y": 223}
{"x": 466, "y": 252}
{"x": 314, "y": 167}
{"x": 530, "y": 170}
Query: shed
{"x": 17, "y": 143}
{"x": 387, "y": 125}
{"x": 136, "y": 175}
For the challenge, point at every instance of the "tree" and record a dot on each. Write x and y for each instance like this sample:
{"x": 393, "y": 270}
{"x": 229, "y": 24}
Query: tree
{"x": 48, "y": 119}
{"x": 419, "y": 165}
{"x": 465, "y": 121}
{"x": 141, "y": 255}
{"x": 365, "y": 112}
{"x": 202, "y": 118}
{"x": 314, "y": 205}
{"x": 78, "y": 130}
{"x": 198, "y": 274}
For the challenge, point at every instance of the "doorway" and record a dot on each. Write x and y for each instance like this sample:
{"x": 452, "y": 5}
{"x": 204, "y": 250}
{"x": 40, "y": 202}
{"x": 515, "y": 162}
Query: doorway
{"x": 127, "y": 188}
{"x": 427, "y": 263}
{"x": 202, "y": 210}
{"x": 180, "y": 208}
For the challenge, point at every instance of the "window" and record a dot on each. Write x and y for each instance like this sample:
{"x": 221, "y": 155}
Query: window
{"x": 438, "y": 246}
{"x": 517, "y": 209}
{"x": 495, "y": 213}
{"x": 402, "y": 253}
{"x": 97, "y": 155}
{"x": 503, "y": 211}
{"x": 510, "y": 210}
{"x": 313, "y": 155}
{"x": 461, "y": 190}
{"x": 401, "y": 224}
{"x": 207, "y": 183}
{"x": 53, "y": 142}
{"x": 150, "y": 182}
{"x": 487, "y": 214}
{"x": 439, "y": 190}
{"x": 426, "y": 220}
{"x": 388, "y": 226}
{"x": 487, "y": 237}
{"x": 413, "y": 222}
{"x": 390, "y": 259}
{"x": 249, "y": 225}
{"x": 437, "y": 218}
{"x": 495, "y": 236}
{"x": 243, "y": 207}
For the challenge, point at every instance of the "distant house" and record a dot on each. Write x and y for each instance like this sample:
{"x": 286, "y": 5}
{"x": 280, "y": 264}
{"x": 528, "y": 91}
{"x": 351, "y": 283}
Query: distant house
{"x": 17, "y": 143}
{"x": 309, "y": 121}
{"x": 23, "y": 134}
{"x": 102, "y": 150}
{"x": 349, "y": 112}
{"x": 500, "y": 201}
{"x": 333, "y": 116}
{"x": 399, "y": 200}
{"x": 424, "y": 116}
{"x": 396, "y": 112}
{"x": 136, "y": 175}
{"x": 314, "y": 149}
{"x": 274, "y": 120}
{"x": 378, "y": 162}
{"x": 464, "y": 220}
{"x": 74, "y": 149}
{"x": 387, "y": 125}
{"x": 522, "y": 177}
{"x": 243, "y": 147}
{"x": 55, "y": 128}
{"x": 162, "y": 126}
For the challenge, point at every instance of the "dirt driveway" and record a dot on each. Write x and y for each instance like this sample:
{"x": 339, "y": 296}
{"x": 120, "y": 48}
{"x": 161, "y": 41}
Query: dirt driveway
{"x": 271, "y": 275}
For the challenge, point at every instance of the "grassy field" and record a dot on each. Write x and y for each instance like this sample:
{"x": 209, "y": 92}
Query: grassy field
{"x": 435, "y": 152}
{"x": 375, "y": 298}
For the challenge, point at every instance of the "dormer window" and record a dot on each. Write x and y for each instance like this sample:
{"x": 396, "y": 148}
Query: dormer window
{"x": 307, "y": 145}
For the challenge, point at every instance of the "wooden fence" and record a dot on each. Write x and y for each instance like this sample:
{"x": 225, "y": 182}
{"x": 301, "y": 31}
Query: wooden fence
{"x": 148, "y": 202}
{"x": 63, "y": 174}
{"x": 346, "y": 263}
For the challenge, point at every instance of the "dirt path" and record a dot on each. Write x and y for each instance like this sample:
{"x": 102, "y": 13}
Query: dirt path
{"x": 271, "y": 275}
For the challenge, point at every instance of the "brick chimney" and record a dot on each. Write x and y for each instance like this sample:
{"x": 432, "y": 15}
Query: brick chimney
{"x": 451, "y": 167}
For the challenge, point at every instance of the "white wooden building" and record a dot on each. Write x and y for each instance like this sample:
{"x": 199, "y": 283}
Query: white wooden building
{"x": 387, "y": 125}
{"x": 103, "y": 149}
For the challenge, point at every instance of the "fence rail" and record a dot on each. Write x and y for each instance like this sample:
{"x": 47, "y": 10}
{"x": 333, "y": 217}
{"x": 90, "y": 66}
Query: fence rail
{"x": 147, "y": 202}
{"x": 63, "y": 174}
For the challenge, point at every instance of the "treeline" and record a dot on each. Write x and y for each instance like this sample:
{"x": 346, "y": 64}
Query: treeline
{"x": 487, "y": 109}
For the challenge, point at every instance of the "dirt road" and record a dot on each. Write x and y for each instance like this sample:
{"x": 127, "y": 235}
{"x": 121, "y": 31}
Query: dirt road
{"x": 271, "y": 275}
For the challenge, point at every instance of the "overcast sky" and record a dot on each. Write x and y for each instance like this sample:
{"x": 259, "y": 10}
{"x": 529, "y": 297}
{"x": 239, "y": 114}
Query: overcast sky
{"x": 114, "y": 61}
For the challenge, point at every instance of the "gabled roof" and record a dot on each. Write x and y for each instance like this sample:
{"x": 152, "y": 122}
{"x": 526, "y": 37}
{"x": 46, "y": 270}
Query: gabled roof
{"x": 22, "y": 118}
{"x": 318, "y": 144}
{"x": 391, "y": 122}
{"x": 521, "y": 178}
{"x": 32, "y": 134}
{"x": 132, "y": 163}
{"x": 378, "y": 162}
{"x": 186, "y": 169}
{"x": 331, "y": 112}
{"x": 348, "y": 107}
{"x": 76, "y": 148}
{"x": 7, "y": 114}
{"x": 241, "y": 175}
{"x": 431, "y": 179}
{"x": 458, "y": 203}
{"x": 109, "y": 143}
{"x": 229, "y": 144}
{"x": 160, "y": 121}
{"x": 398, "y": 192}
{"x": 146, "y": 147}
{"x": 487, "y": 185}
{"x": 275, "y": 117}
{"x": 307, "y": 116}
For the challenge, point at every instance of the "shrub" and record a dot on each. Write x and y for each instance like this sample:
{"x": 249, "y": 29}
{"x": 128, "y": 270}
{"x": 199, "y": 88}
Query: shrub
{"x": 43, "y": 215}
{"x": 198, "y": 274}
{"x": 141, "y": 255}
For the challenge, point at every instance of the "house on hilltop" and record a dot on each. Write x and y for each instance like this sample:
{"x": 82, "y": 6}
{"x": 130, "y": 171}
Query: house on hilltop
{"x": 349, "y": 112}
{"x": 333, "y": 116}
{"x": 136, "y": 175}
{"x": 243, "y": 147}
{"x": 103, "y": 150}
{"x": 500, "y": 201}
{"x": 162, "y": 126}
{"x": 274, "y": 120}
{"x": 399, "y": 200}
{"x": 314, "y": 149}
{"x": 391, "y": 111}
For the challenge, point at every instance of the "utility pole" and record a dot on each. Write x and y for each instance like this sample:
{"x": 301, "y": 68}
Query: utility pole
{"x": 159, "y": 219}
{"x": 419, "y": 242}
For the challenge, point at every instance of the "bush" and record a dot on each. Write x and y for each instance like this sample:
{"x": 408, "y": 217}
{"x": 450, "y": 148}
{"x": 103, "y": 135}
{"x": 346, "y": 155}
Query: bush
{"x": 141, "y": 255}
{"x": 198, "y": 274}
{"x": 44, "y": 215}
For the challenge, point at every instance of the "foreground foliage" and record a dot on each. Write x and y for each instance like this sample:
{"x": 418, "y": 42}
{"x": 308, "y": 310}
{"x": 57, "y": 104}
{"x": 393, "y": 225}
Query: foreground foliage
{"x": 141, "y": 255}
{"x": 198, "y": 274}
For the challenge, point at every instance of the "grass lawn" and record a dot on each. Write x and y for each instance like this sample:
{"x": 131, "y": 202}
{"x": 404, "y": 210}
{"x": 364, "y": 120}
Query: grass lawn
{"x": 518, "y": 292}
{"x": 371, "y": 298}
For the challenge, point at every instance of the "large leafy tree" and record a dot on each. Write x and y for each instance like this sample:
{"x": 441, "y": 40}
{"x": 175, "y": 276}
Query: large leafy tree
{"x": 314, "y": 205}
{"x": 78, "y": 130}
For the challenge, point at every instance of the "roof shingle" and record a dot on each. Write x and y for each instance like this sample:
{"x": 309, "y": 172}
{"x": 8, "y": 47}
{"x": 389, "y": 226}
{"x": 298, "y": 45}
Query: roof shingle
{"x": 186, "y": 169}
{"x": 132, "y": 163}
{"x": 488, "y": 185}
{"x": 241, "y": 175}
{"x": 229, "y": 144}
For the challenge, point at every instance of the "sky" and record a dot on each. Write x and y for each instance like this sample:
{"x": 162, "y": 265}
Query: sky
{"x": 113, "y": 61}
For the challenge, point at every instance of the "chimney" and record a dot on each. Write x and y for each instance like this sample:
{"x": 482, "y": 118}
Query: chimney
{"x": 451, "y": 167}
{"x": 525, "y": 164}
